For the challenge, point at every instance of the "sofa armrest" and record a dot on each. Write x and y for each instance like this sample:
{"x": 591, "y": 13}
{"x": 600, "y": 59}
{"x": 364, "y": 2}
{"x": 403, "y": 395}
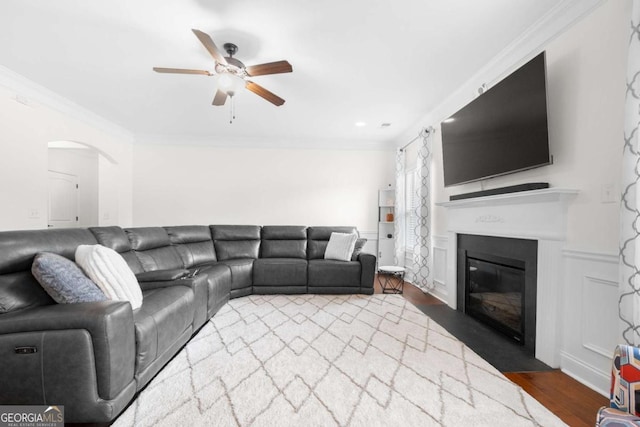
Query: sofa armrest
{"x": 111, "y": 338}
{"x": 162, "y": 275}
{"x": 368, "y": 270}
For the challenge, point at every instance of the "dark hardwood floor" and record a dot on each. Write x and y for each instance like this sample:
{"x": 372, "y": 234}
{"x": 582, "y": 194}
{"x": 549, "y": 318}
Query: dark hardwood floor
{"x": 573, "y": 402}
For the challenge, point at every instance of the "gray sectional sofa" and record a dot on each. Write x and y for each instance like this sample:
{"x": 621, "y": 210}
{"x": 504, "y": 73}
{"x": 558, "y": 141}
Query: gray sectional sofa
{"x": 94, "y": 357}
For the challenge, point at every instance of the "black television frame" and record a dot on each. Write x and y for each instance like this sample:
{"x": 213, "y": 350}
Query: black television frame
{"x": 536, "y": 66}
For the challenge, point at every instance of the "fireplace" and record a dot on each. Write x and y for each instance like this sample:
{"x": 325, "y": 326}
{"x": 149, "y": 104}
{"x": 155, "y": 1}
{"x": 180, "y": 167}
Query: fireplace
{"x": 497, "y": 284}
{"x": 539, "y": 216}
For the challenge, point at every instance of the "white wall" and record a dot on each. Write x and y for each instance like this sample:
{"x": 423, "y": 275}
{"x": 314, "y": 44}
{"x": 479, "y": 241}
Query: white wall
{"x": 25, "y": 131}
{"x": 585, "y": 92}
{"x": 586, "y": 87}
{"x": 178, "y": 184}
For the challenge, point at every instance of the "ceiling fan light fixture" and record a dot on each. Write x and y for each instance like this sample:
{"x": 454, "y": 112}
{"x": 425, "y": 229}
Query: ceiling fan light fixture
{"x": 229, "y": 83}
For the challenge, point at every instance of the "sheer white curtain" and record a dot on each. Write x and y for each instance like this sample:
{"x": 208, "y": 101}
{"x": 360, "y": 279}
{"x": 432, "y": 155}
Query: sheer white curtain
{"x": 629, "y": 303}
{"x": 420, "y": 270}
{"x": 399, "y": 210}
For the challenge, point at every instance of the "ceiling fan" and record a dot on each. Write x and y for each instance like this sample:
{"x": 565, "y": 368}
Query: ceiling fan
{"x": 232, "y": 74}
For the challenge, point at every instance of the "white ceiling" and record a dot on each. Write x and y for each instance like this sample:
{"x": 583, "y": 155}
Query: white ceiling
{"x": 374, "y": 61}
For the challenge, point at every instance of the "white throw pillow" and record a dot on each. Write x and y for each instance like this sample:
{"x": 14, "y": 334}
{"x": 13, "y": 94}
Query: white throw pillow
{"x": 110, "y": 272}
{"x": 340, "y": 246}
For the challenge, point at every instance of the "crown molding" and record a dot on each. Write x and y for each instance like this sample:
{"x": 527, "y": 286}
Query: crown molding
{"x": 531, "y": 42}
{"x": 28, "y": 92}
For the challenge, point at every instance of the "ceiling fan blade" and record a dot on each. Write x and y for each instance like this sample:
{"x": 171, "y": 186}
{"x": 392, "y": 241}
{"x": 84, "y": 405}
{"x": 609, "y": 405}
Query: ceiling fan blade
{"x": 180, "y": 71}
{"x": 220, "y": 98}
{"x": 210, "y": 46}
{"x": 269, "y": 68}
{"x": 262, "y": 92}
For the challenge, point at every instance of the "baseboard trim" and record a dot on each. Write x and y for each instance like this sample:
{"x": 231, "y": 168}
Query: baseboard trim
{"x": 439, "y": 295}
{"x": 585, "y": 373}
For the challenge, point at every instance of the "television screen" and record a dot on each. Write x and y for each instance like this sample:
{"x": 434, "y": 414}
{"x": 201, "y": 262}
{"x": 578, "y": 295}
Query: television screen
{"x": 502, "y": 131}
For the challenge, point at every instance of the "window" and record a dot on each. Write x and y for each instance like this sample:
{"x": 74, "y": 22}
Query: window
{"x": 410, "y": 203}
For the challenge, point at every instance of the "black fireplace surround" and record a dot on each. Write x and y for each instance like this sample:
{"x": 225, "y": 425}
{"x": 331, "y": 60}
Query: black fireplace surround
{"x": 497, "y": 281}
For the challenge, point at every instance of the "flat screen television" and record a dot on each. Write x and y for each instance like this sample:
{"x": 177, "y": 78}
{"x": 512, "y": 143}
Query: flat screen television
{"x": 502, "y": 131}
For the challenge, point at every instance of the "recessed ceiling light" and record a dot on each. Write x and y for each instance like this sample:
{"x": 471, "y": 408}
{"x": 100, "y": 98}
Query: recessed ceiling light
{"x": 360, "y": 124}
{"x": 449, "y": 120}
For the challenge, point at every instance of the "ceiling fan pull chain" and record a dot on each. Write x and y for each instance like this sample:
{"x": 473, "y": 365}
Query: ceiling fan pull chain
{"x": 233, "y": 108}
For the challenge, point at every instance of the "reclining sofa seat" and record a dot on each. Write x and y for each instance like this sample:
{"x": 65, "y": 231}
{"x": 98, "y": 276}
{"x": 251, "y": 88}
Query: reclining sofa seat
{"x": 81, "y": 354}
{"x": 165, "y": 322}
{"x": 337, "y": 277}
{"x": 282, "y": 266}
{"x": 237, "y": 246}
{"x": 195, "y": 248}
{"x": 154, "y": 262}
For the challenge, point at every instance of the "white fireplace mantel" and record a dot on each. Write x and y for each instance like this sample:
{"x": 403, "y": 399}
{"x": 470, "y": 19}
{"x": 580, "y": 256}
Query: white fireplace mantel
{"x": 538, "y": 215}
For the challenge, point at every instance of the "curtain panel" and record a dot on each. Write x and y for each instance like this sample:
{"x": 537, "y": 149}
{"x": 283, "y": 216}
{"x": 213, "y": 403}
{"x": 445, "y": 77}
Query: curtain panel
{"x": 420, "y": 270}
{"x": 629, "y": 302}
{"x": 400, "y": 210}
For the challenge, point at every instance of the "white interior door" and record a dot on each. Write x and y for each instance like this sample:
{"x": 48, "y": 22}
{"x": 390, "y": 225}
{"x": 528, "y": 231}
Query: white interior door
{"x": 63, "y": 200}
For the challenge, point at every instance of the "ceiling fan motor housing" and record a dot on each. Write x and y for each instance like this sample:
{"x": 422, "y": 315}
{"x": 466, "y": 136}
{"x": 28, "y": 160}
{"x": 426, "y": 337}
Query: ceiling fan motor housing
{"x": 235, "y": 62}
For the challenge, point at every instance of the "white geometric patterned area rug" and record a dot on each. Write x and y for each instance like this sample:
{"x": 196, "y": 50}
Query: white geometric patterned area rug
{"x": 326, "y": 360}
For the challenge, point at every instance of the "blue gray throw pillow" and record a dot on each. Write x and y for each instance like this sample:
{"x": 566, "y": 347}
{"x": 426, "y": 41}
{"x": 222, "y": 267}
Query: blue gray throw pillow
{"x": 63, "y": 280}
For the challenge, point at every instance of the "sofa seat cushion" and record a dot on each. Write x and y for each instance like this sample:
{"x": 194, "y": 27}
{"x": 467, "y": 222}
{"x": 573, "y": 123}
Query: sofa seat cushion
{"x": 325, "y": 272}
{"x": 241, "y": 272}
{"x": 280, "y": 272}
{"x": 218, "y": 285}
{"x": 165, "y": 315}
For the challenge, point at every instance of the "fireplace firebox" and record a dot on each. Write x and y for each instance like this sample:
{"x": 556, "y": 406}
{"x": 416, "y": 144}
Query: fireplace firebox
{"x": 497, "y": 284}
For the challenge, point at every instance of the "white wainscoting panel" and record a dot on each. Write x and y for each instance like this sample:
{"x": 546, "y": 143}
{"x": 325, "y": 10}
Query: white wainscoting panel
{"x": 589, "y": 316}
{"x": 371, "y": 247}
{"x": 439, "y": 273}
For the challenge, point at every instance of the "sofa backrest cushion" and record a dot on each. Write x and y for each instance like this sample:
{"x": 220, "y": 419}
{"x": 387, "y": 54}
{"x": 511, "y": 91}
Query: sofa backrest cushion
{"x": 284, "y": 241}
{"x": 318, "y": 237}
{"x": 18, "y": 288}
{"x": 115, "y": 238}
{"x": 236, "y": 241}
{"x": 153, "y": 248}
{"x": 193, "y": 243}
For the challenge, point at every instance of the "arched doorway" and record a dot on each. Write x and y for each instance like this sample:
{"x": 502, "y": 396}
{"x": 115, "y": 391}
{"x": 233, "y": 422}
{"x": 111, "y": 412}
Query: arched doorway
{"x": 81, "y": 190}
